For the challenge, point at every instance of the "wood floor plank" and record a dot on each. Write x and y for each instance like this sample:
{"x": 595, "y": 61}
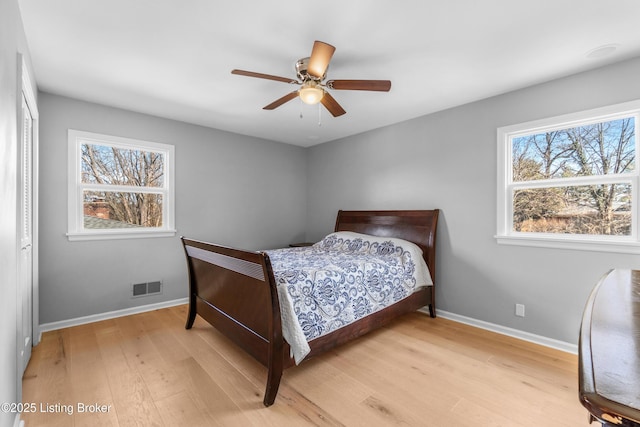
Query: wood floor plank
{"x": 146, "y": 358}
{"x": 132, "y": 400}
{"x": 475, "y": 414}
{"x": 208, "y": 397}
{"x": 164, "y": 340}
{"x": 90, "y": 386}
{"x": 47, "y": 384}
{"x": 180, "y": 410}
{"x": 372, "y": 362}
{"x": 417, "y": 371}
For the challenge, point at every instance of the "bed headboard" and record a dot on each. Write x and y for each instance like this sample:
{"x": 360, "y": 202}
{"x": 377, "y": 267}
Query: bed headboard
{"x": 417, "y": 226}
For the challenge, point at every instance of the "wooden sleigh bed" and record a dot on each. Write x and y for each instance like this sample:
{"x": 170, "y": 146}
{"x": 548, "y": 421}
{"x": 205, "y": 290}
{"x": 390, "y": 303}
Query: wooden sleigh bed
{"x": 235, "y": 290}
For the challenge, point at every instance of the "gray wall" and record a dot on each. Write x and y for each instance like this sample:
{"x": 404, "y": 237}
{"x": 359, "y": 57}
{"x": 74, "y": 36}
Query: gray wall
{"x": 448, "y": 160}
{"x": 12, "y": 42}
{"x": 255, "y": 194}
{"x": 230, "y": 189}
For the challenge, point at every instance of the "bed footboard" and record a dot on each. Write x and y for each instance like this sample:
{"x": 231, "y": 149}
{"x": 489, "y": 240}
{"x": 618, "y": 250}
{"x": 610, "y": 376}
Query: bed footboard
{"x": 234, "y": 291}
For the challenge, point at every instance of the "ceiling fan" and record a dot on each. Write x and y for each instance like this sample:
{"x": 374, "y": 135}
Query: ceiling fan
{"x": 311, "y": 73}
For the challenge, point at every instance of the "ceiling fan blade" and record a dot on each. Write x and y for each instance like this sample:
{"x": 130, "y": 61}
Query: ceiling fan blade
{"x": 278, "y": 102}
{"x": 264, "y": 76}
{"x": 320, "y": 57}
{"x": 332, "y": 105}
{"x": 377, "y": 85}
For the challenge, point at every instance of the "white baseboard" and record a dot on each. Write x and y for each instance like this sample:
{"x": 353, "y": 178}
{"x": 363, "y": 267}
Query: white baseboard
{"x": 515, "y": 333}
{"x": 110, "y": 315}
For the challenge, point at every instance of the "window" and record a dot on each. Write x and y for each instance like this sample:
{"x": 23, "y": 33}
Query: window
{"x": 119, "y": 187}
{"x": 571, "y": 181}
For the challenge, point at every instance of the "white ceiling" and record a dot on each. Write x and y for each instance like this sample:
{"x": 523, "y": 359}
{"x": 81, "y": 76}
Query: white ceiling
{"x": 173, "y": 58}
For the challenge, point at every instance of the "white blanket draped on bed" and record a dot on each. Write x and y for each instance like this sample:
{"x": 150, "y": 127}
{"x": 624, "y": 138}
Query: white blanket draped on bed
{"x": 344, "y": 277}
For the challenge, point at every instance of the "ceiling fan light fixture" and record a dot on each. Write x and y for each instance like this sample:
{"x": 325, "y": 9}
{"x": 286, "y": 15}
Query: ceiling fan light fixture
{"x": 311, "y": 93}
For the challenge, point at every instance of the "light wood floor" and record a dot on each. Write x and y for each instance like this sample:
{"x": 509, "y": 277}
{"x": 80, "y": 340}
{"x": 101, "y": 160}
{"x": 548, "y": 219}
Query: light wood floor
{"x": 147, "y": 370}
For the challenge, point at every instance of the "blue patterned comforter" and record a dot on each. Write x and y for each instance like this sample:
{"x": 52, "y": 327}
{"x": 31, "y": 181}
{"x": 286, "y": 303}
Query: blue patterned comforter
{"x": 344, "y": 277}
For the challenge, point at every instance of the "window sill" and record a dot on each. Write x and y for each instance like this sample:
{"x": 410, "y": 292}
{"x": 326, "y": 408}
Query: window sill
{"x": 581, "y": 244}
{"x": 117, "y": 234}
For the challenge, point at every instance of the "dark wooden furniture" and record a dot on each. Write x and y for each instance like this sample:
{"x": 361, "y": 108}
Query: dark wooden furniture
{"x": 235, "y": 290}
{"x": 609, "y": 350}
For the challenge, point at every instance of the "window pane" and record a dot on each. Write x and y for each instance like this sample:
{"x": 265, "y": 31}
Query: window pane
{"x": 103, "y": 164}
{"x": 107, "y": 209}
{"x": 590, "y": 150}
{"x": 588, "y": 209}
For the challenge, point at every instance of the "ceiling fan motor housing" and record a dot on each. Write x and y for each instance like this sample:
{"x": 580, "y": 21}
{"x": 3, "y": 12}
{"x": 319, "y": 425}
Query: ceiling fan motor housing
{"x": 302, "y": 66}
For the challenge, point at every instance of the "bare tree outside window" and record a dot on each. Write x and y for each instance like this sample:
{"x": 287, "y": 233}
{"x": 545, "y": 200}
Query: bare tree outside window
{"x": 596, "y": 156}
{"x": 122, "y": 183}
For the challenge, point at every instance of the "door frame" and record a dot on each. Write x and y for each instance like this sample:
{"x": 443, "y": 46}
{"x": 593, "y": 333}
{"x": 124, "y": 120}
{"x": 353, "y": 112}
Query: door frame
{"x": 26, "y": 89}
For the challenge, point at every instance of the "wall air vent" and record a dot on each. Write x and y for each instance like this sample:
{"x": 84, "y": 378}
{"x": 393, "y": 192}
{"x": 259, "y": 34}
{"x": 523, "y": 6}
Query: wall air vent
{"x": 139, "y": 289}
{"x": 147, "y": 288}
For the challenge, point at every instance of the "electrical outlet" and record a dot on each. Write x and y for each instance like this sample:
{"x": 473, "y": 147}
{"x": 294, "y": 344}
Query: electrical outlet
{"x": 520, "y": 310}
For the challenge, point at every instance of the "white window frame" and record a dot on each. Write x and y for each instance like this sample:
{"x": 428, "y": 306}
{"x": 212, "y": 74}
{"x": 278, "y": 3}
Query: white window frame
{"x": 76, "y": 229}
{"x": 505, "y": 233}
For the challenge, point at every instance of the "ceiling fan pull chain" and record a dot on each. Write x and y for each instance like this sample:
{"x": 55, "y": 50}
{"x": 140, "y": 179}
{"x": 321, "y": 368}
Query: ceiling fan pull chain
{"x": 300, "y": 103}
{"x": 319, "y": 115}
